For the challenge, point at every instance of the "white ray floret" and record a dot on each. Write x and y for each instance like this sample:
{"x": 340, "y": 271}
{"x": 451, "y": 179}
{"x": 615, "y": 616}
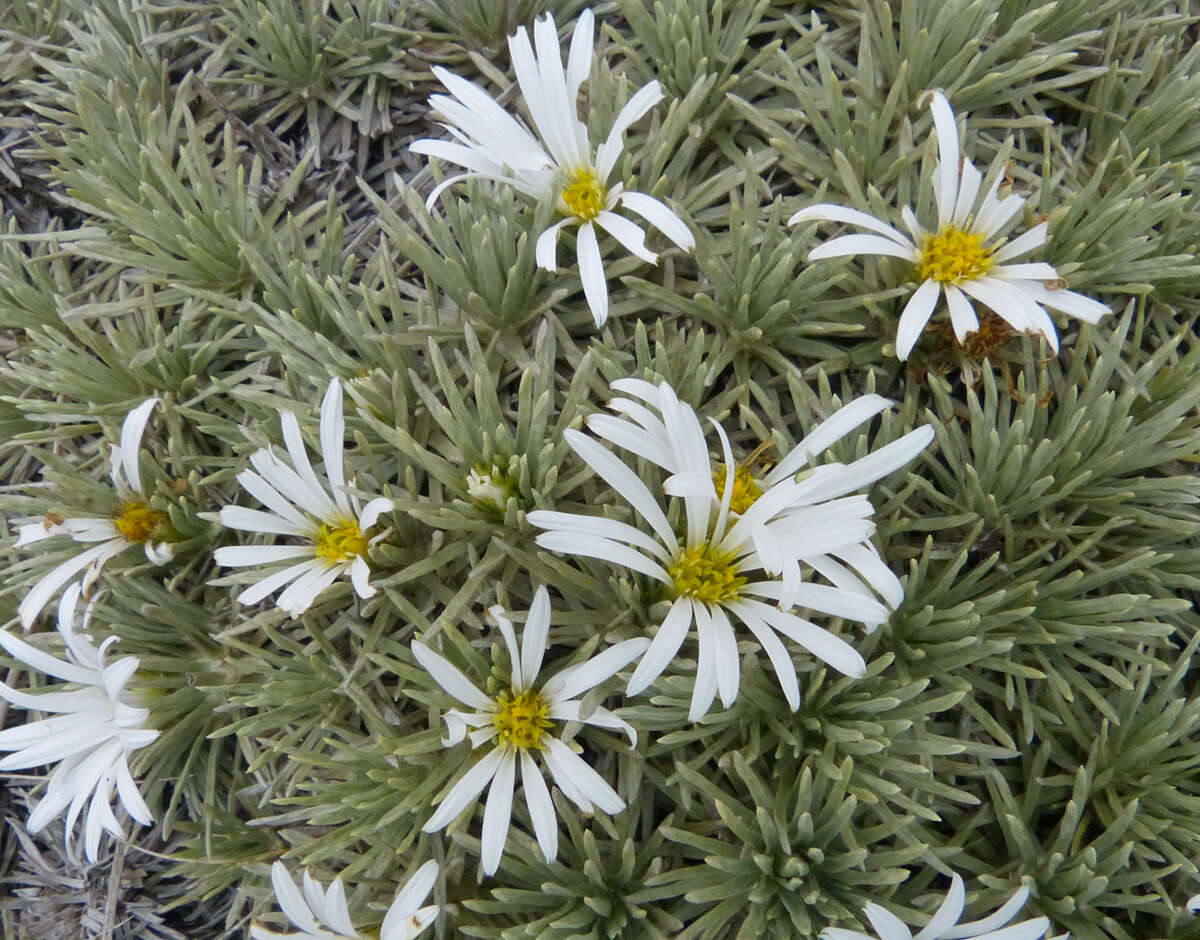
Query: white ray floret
{"x": 967, "y": 257}
{"x": 322, "y": 914}
{"x": 519, "y": 725}
{"x": 944, "y": 925}
{"x": 490, "y": 143}
{"x": 97, "y": 723}
{"x": 858, "y": 569}
{"x": 746, "y": 565}
{"x": 332, "y": 525}
{"x": 134, "y": 524}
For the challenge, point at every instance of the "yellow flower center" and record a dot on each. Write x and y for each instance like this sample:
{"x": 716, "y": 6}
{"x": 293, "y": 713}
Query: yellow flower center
{"x": 137, "y": 522}
{"x": 745, "y": 488}
{"x": 584, "y": 194}
{"x": 521, "y": 719}
{"x": 953, "y": 256}
{"x": 341, "y": 542}
{"x": 706, "y": 574}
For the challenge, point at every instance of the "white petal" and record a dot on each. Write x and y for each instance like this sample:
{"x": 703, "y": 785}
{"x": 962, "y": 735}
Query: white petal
{"x": 1031, "y": 271}
{"x": 1002, "y": 916}
{"x": 290, "y": 900}
{"x": 827, "y": 433}
{"x": 603, "y": 549}
{"x": 560, "y": 122}
{"x": 276, "y": 580}
{"x": 464, "y": 792}
{"x": 500, "y": 618}
{"x": 583, "y": 778}
{"x": 962, "y": 314}
{"x": 131, "y": 798}
{"x": 916, "y": 314}
{"x": 371, "y": 512}
{"x": 831, "y": 213}
{"x": 704, "y": 690}
{"x": 785, "y": 669}
{"x": 298, "y": 596}
{"x": 887, "y": 924}
{"x": 663, "y": 647}
{"x": 967, "y": 193}
{"x": 866, "y": 561}
{"x": 565, "y": 782}
{"x": 44, "y": 662}
{"x": 880, "y": 463}
{"x": 255, "y": 520}
{"x": 599, "y": 716}
{"x": 577, "y": 679}
{"x": 820, "y": 642}
{"x": 54, "y": 579}
{"x": 541, "y": 807}
{"x": 36, "y": 532}
{"x": 336, "y": 913}
{"x": 450, "y": 678}
{"x": 415, "y": 890}
{"x": 729, "y": 663}
{"x": 1030, "y": 240}
{"x": 1070, "y": 302}
{"x": 591, "y": 273}
{"x": 948, "y": 912}
{"x": 1012, "y": 302}
{"x": 286, "y": 480}
{"x": 946, "y": 175}
{"x": 622, "y": 479}
{"x": 579, "y": 58}
{"x": 270, "y": 497}
{"x": 91, "y": 530}
{"x": 132, "y": 429}
{"x": 915, "y": 229}
{"x": 661, "y": 216}
{"x": 497, "y": 814}
{"x": 298, "y": 452}
{"x": 995, "y": 214}
{"x": 600, "y": 527}
{"x": 333, "y": 442}
{"x": 632, "y": 238}
{"x": 862, "y": 245}
{"x": 360, "y": 577}
{"x": 243, "y": 556}
{"x": 643, "y": 100}
{"x": 546, "y": 249}
{"x": 535, "y": 637}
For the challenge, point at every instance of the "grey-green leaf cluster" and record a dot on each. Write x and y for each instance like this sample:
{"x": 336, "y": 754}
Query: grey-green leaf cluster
{"x": 215, "y": 205}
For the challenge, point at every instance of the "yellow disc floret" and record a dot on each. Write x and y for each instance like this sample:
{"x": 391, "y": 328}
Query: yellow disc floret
{"x": 706, "y": 574}
{"x": 137, "y": 522}
{"x": 340, "y": 542}
{"x": 745, "y": 489}
{"x": 521, "y": 720}
{"x": 953, "y": 256}
{"x": 584, "y": 194}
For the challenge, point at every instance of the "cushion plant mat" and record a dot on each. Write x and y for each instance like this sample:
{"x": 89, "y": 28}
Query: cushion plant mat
{"x": 215, "y": 205}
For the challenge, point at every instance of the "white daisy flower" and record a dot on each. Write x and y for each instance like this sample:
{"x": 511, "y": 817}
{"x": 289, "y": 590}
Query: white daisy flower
{"x": 965, "y": 258}
{"x": 490, "y": 143}
{"x": 334, "y": 527}
{"x": 519, "y": 722}
{"x": 98, "y": 723}
{"x": 944, "y": 924}
{"x": 747, "y": 565}
{"x": 860, "y": 570}
{"x": 135, "y": 523}
{"x": 317, "y": 909}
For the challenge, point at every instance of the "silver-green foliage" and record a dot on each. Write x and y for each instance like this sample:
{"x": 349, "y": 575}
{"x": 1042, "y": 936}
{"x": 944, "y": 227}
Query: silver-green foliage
{"x": 217, "y": 208}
